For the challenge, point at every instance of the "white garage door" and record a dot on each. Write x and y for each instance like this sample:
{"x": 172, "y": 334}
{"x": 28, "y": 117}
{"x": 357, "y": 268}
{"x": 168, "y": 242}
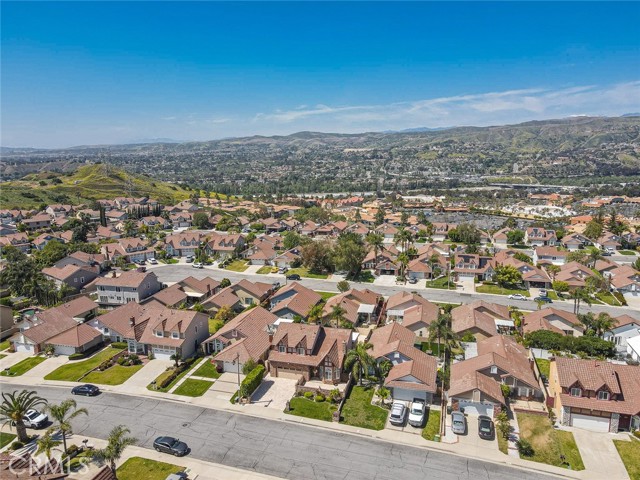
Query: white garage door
{"x": 163, "y": 353}
{"x": 231, "y": 367}
{"x": 24, "y": 347}
{"x": 476, "y": 408}
{"x": 407, "y": 395}
{"x": 595, "y": 424}
{"x": 64, "y": 350}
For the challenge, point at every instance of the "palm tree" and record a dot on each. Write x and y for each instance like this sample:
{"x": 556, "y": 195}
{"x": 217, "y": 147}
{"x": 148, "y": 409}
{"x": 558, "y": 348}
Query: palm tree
{"x": 337, "y": 314}
{"x": 15, "y": 406}
{"x": 382, "y": 370}
{"x": 375, "y": 241}
{"x": 176, "y": 358}
{"x": 578, "y": 295}
{"x": 315, "y": 313}
{"x": 598, "y": 325}
{"x": 433, "y": 259}
{"x": 439, "y": 328}
{"x": 358, "y": 360}
{"x": 383, "y": 394}
{"x": 63, "y": 414}
{"x": 403, "y": 238}
{"x": 403, "y": 259}
{"x": 46, "y": 444}
{"x": 593, "y": 256}
{"x": 117, "y": 442}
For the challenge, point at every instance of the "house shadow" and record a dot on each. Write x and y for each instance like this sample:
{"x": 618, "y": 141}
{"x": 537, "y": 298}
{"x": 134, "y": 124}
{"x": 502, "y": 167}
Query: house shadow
{"x": 261, "y": 392}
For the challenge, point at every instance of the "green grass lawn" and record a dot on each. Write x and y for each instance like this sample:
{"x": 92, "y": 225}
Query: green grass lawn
{"x": 303, "y": 407}
{"x": 2, "y": 356}
{"x": 169, "y": 261}
{"x": 630, "y": 454}
{"x": 137, "y": 468}
{"x": 432, "y": 428}
{"x": 193, "y": 388}
{"x": 431, "y": 347}
{"x": 358, "y": 411}
{"x": 497, "y": 290}
{"x": 626, "y": 252}
{"x": 552, "y": 295}
{"x": 237, "y": 266}
{"x": 6, "y": 438}
{"x": 207, "y": 369}
{"x": 5, "y": 344}
{"x": 304, "y": 272}
{"x": 503, "y": 443}
{"x": 607, "y": 298}
{"x": 166, "y": 374}
{"x": 264, "y": 270}
{"x": 364, "y": 277}
{"x": 115, "y": 375}
{"x": 215, "y": 325}
{"x": 72, "y": 372}
{"x": 326, "y": 295}
{"x": 440, "y": 283}
{"x": 549, "y": 444}
{"x": 543, "y": 366}
{"x": 23, "y": 366}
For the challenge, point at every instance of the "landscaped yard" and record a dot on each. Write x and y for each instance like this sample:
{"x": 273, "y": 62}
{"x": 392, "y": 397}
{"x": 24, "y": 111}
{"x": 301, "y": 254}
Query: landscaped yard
{"x": 552, "y": 295}
{"x": 364, "y": 277}
{"x": 503, "y": 443}
{"x": 193, "y": 388}
{"x": 168, "y": 373}
{"x": 72, "y": 371}
{"x": 264, "y": 270}
{"x": 2, "y": 356}
{"x": 630, "y": 454}
{"x": 237, "y": 266}
{"x": 5, "y": 344}
{"x": 440, "y": 283}
{"x": 23, "y": 366}
{"x": 549, "y": 444}
{"x": 115, "y": 375}
{"x": 433, "y": 425}
{"x": 207, "y": 369}
{"x": 304, "y": 407}
{"x": 6, "y": 438}
{"x": 626, "y": 252}
{"x": 169, "y": 261}
{"x": 215, "y": 325}
{"x": 543, "y": 366}
{"x": 498, "y": 290}
{"x": 607, "y": 298}
{"x": 326, "y": 295}
{"x": 304, "y": 272}
{"x": 358, "y": 411}
{"x": 137, "y": 468}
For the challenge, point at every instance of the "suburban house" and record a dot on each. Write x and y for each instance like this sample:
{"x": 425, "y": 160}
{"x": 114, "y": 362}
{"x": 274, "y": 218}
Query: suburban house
{"x": 82, "y": 259}
{"x": 7, "y": 326}
{"x": 287, "y": 258}
{"x": 413, "y": 374}
{"x": 43, "y": 239}
{"x": 171, "y": 297}
{"x": 383, "y": 264}
{"x": 182, "y": 244}
{"x": 131, "y": 286}
{"x": 225, "y": 246}
{"x": 17, "y": 240}
{"x": 476, "y": 383}
{"x": 309, "y": 351}
{"x": 72, "y": 275}
{"x": 473, "y": 266}
{"x": 595, "y": 395}
{"x": 481, "y": 319}
{"x": 553, "y": 320}
{"x": 575, "y": 274}
{"x": 624, "y": 279}
{"x": 500, "y": 238}
{"x": 626, "y": 327}
{"x": 411, "y": 311}
{"x": 199, "y": 289}
{"x": 294, "y": 299}
{"x": 574, "y": 242}
{"x": 609, "y": 242}
{"x": 539, "y": 237}
{"x": 261, "y": 252}
{"x": 245, "y": 337}
{"x": 359, "y": 306}
{"x": 238, "y": 296}
{"x": 41, "y": 220}
{"x": 58, "y": 210}
{"x": 441, "y": 231}
{"x": 549, "y": 255}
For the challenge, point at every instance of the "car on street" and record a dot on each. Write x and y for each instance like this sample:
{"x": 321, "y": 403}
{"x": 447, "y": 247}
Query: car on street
{"x": 458, "y": 423}
{"x": 197, "y": 265}
{"x": 153, "y": 261}
{"x": 34, "y": 419}
{"x": 171, "y": 445}
{"x": 398, "y": 413}
{"x": 182, "y": 475}
{"x": 87, "y": 389}
{"x": 543, "y": 300}
{"x": 417, "y": 413}
{"x": 293, "y": 276}
{"x": 517, "y": 296}
{"x": 605, "y": 253}
{"x": 486, "y": 430}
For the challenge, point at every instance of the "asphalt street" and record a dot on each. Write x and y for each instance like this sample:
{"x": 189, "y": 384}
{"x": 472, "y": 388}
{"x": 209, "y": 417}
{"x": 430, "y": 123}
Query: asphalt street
{"x": 282, "y": 449}
{"x": 176, "y": 272}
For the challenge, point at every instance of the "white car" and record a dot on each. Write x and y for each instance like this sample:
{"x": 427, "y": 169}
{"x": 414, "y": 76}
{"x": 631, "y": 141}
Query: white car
{"x": 417, "y": 413}
{"x": 517, "y": 296}
{"x": 398, "y": 412}
{"x": 197, "y": 265}
{"x": 153, "y": 261}
{"x": 35, "y": 419}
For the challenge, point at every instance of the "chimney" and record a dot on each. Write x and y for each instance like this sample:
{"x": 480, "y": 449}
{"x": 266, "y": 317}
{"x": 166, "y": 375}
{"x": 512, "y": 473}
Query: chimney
{"x": 132, "y": 321}
{"x": 208, "y": 288}
{"x": 113, "y": 274}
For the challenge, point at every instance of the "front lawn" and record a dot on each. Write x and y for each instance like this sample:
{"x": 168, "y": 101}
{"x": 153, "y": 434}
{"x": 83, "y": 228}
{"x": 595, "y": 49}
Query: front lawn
{"x": 264, "y": 270}
{"x": 433, "y": 425}
{"x": 630, "y": 454}
{"x": 137, "y": 468}
{"x": 169, "y": 261}
{"x": 304, "y": 272}
{"x": 167, "y": 373}
{"x": 440, "y": 283}
{"x": 208, "y": 370}
{"x": 549, "y": 444}
{"x": 2, "y": 356}
{"x": 23, "y": 366}
{"x": 304, "y": 407}
{"x": 552, "y": 295}
{"x": 115, "y": 375}
{"x": 5, "y": 344}
{"x": 215, "y": 325}
{"x": 71, "y": 372}
{"x": 358, "y": 411}
{"x": 237, "y": 266}
{"x": 326, "y": 295}
{"x": 543, "y": 366}
{"x": 364, "y": 276}
{"x": 193, "y": 388}
{"x": 626, "y": 252}
{"x": 608, "y": 298}
{"x": 498, "y": 290}
{"x": 6, "y": 438}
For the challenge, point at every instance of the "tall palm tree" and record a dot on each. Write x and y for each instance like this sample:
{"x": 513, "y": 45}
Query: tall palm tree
{"x": 599, "y": 324}
{"x": 63, "y": 414}
{"x": 579, "y": 295}
{"x": 176, "y": 358}
{"x": 315, "y": 313}
{"x": 403, "y": 260}
{"x": 404, "y": 238}
{"x": 15, "y": 406}
{"x": 46, "y": 444}
{"x": 594, "y": 254}
{"x": 382, "y": 370}
{"x": 337, "y": 314}
{"x": 375, "y": 241}
{"x": 358, "y": 360}
{"x": 434, "y": 258}
{"x": 117, "y": 442}
{"x": 440, "y": 328}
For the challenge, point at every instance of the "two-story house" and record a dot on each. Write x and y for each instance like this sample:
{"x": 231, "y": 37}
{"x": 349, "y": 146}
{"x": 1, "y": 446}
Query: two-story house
{"x": 182, "y": 244}
{"x": 539, "y": 237}
{"x": 481, "y": 319}
{"x": 467, "y": 265}
{"x": 549, "y": 256}
{"x": 574, "y": 242}
{"x": 626, "y": 327}
{"x": 553, "y": 320}
{"x": 575, "y": 274}
{"x": 58, "y": 210}
{"x": 18, "y": 240}
{"x": 294, "y": 300}
{"x": 131, "y": 286}
{"x": 82, "y": 259}
{"x": 37, "y": 222}
{"x": 74, "y": 276}
{"x": 225, "y": 246}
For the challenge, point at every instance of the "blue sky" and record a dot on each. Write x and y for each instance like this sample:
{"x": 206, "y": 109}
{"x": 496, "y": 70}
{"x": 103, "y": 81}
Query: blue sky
{"x": 92, "y": 73}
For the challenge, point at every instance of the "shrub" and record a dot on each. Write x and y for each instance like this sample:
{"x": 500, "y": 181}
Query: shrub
{"x": 249, "y": 366}
{"x": 524, "y": 448}
{"x": 73, "y": 449}
{"x": 122, "y": 361}
{"x": 506, "y": 390}
{"x": 17, "y": 445}
{"x": 120, "y": 345}
{"x": 334, "y": 395}
{"x": 319, "y": 398}
{"x": 76, "y": 356}
{"x": 468, "y": 337}
{"x": 251, "y": 381}
{"x": 636, "y": 433}
{"x": 308, "y": 395}
{"x": 151, "y": 356}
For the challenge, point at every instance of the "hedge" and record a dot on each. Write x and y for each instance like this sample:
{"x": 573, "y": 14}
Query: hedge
{"x": 76, "y": 356}
{"x": 592, "y": 346}
{"x": 120, "y": 345}
{"x": 251, "y": 381}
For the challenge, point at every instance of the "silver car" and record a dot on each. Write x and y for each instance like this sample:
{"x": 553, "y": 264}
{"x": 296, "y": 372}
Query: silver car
{"x": 458, "y": 423}
{"x": 398, "y": 413}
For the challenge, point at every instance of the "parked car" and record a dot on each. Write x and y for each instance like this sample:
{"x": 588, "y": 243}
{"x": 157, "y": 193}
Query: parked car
{"x": 171, "y": 445}
{"x": 293, "y": 276}
{"x": 458, "y": 423}
{"x": 178, "y": 476}
{"x": 543, "y": 292}
{"x": 543, "y": 299}
{"x": 153, "y": 261}
{"x": 417, "y": 413}
{"x": 283, "y": 270}
{"x": 605, "y": 253}
{"x": 412, "y": 280}
{"x": 517, "y": 296}
{"x": 189, "y": 259}
{"x": 87, "y": 389}
{"x": 486, "y": 429}
{"x": 197, "y": 265}
{"x": 398, "y": 412}
{"x": 34, "y": 419}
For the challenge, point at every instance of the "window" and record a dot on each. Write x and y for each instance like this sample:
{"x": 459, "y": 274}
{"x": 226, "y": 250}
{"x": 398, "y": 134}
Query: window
{"x": 282, "y": 348}
{"x": 576, "y": 392}
{"x": 234, "y": 333}
{"x": 81, "y": 279}
{"x": 175, "y": 335}
{"x": 300, "y": 351}
{"x": 602, "y": 395}
{"x": 105, "y": 330}
{"x": 494, "y": 369}
{"x": 327, "y": 373}
{"x": 75, "y": 280}
{"x": 158, "y": 333}
{"x": 118, "y": 289}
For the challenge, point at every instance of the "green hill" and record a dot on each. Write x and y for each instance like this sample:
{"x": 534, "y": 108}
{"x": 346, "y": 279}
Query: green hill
{"x": 87, "y": 183}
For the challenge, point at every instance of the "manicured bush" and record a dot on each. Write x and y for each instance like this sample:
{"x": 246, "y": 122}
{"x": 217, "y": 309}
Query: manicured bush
{"x": 308, "y": 395}
{"x": 17, "y": 445}
{"x": 524, "y": 448}
{"x": 591, "y": 346}
{"x": 122, "y": 361}
{"x": 252, "y": 381}
{"x": 73, "y": 449}
{"x": 76, "y": 356}
{"x": 319, "y": 398}
{"x": 120, "y": 345}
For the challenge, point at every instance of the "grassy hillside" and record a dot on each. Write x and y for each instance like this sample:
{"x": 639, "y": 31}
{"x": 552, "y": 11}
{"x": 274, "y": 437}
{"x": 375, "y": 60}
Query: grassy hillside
{"x": 87, "y": 183}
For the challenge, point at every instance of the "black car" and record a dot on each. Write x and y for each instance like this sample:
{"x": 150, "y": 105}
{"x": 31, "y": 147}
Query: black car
{"x": 543, "y": 300}
{"x": 86, "y": 389}
{"x": 293, "y": 276}
{"x": 486, "y": 429}
{"x": 171, "y": 445}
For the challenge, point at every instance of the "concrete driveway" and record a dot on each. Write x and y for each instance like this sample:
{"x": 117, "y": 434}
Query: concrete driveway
{"x": 633, "y": 301}
{"x": 473, "y": 442}
{"x": 12, "y": 358}
{"x": 274, "y": 392}
{"x": 224, "y": 387}
{"x": 406, "y": 427}
{"x": 599, "y": 454}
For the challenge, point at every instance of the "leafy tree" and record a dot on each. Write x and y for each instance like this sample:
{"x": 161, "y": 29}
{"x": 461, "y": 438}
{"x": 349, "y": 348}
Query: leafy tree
{"x": 560, "y": 286}
{"x": 594, "y": 229}
{"x": 375, "y": 242}
{"x": 579, "y": 256}
{"x": 515, "y": 237}
{"x": 316, "y": 256}
{"x": 62, "y": 414}
{"x": 46, "y": 444}
{"x": 507, "y": 275}
{"x": 523, "y": 257}
{"x": 291, "y": 240}
{"x": 224, "y": 283}
{"x": 598, "y": 325}
{"x": 224, "y": 314}
{"x": 315, "y": 313}
{"x": 14, "y": 407}
{"x": 553, "y": 270}
{"x": 614, "y": 224}
{"x": 129, "y": 228}
{"x": 176, "y": 358}
{"x": 358, "y": 360}
{"x": 383, "y": 393}
{"x": 593, "y": 255}
{"x": 466, "y": 233}
{"x": 117, "y": 443}
{"x": 343, "y": 286}
{"x": 201, "y": 220}
{"x": 378, "y": 218}
{"x": 404, "y": 218}
{"x": 248, "y": 366}
{"x": 349, "y": 252}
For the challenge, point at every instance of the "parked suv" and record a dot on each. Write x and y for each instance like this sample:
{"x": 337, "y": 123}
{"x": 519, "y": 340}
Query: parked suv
{"x": 417, "y": 413}
{"x": 398, "y": 412}
{"x": 34, "y": 419}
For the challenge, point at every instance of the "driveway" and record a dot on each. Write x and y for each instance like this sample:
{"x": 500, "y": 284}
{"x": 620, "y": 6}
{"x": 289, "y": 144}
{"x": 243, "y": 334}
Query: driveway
{"x": 274, "y": 392}
{"x": 406, "y": 427}
{"x": 386, "y": 280}
{"x": 145, "y": 375}
{"x": 473, "y": 443}
{"x": 12, "y": 358}
{"x": 599, "y": 454}
{"x": 468, "y": 285}
{"x": 632, "y": 300}
{"x": 224, "y": 387}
